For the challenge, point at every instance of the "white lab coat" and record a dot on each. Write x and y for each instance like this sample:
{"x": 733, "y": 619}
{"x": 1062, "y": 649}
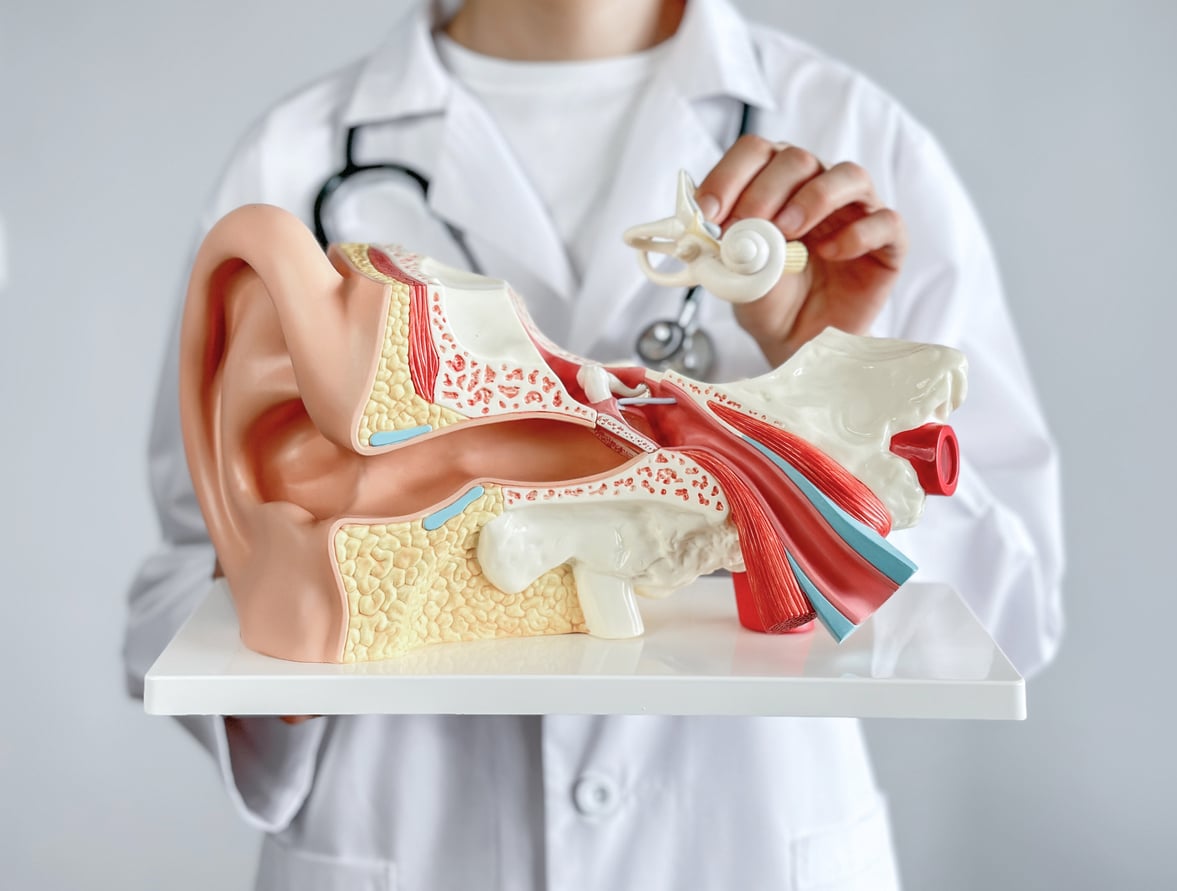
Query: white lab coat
{"x": 572, "y": 802}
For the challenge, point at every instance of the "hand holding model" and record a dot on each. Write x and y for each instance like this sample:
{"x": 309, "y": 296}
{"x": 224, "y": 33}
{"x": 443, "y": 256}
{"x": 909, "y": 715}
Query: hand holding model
{"x": 856, "y": 245}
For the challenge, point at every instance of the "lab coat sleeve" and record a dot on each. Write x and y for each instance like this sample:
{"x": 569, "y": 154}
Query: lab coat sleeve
{"x": 998, "y": 540}
{"x": 267, "y": 766}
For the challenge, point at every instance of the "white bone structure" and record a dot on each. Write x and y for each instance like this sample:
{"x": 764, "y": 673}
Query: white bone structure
{"x": 739, "y": 266}
{"x": 600, "y": 384}
{"x": 614, "y": 547}
{"x": 849, "y": 395}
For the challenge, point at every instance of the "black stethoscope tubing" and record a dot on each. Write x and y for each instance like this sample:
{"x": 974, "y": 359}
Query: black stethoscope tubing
{"x": 351, "y": 168}
{"x": 666, "y": 343}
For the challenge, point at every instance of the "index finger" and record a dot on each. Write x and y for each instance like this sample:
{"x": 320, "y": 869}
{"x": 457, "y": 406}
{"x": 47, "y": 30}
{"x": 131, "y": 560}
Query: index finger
{"x": 720, "y": 189}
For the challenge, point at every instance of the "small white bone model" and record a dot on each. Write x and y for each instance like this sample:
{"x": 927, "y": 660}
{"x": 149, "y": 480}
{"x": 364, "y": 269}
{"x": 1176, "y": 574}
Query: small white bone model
{"x": 739, "y": 266}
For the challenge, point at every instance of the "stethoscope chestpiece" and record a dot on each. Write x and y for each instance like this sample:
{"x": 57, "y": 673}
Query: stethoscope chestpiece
{"x": 661, "y": 341}
{"x": 666, "y": 346}
{"x": 679, "y": 344}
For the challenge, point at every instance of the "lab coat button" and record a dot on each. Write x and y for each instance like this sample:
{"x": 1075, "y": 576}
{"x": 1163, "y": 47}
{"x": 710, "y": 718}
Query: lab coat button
{"x": 596, "y": 795}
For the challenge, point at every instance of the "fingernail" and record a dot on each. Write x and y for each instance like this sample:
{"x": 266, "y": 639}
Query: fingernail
{"x": 709, "y": 204}
{"x": 792, "y": 219}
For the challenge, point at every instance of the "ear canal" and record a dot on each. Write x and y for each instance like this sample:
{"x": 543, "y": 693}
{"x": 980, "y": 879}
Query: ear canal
{"x": 276, "y": 355}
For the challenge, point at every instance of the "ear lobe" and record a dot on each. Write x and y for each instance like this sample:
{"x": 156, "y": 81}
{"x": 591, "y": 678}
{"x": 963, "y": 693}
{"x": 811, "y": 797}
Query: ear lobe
{"x": 273, "y": 375}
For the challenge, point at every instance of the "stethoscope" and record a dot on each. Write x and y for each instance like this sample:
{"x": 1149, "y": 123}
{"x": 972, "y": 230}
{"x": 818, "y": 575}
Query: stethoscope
{"x": 677, "y": 344}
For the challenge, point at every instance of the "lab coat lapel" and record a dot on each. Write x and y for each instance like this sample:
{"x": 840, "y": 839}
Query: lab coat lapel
{"x": 479, "y": 187}
{"x": 667, "y": 136}
{"x": 713, "y": 56}
{"x": 476, "y": 183}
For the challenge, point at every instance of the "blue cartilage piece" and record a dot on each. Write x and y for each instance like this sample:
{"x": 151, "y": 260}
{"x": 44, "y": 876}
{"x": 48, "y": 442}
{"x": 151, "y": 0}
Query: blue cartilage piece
{"x": 836, "y": 623}
{"x": 435, "y": 519}
{"x": 388, "y": 437}
{"x": 875, "y": 549}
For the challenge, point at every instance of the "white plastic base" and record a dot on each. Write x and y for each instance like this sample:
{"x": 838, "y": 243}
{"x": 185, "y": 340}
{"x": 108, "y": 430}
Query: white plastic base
{"x": 923, "y": 655}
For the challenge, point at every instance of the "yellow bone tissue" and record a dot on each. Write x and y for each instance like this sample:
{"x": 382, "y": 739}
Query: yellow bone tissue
{"x": 407, "y": 586}
{"x": 393, "y": 403}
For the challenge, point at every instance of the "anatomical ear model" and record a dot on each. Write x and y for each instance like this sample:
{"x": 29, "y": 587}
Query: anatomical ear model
{"x": 388, "y": 454}
{"x": 739, "y": 266}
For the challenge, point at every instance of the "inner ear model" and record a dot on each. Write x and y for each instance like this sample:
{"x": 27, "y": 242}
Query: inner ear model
{"x": 387, "y": 454}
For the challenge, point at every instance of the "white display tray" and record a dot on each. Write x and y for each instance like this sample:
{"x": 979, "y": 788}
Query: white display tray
{"x": 923, "y": 655}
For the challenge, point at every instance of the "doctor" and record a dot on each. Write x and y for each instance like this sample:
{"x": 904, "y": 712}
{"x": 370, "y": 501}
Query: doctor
{"x": 546, "y": 129}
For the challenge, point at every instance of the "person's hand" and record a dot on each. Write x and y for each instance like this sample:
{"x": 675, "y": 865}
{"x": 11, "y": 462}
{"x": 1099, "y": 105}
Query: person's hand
{"x": 856, "y": 246}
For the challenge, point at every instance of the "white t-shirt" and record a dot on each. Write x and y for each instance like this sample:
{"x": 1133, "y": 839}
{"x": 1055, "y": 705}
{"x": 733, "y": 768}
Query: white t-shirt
{"x": 566, "y": 123}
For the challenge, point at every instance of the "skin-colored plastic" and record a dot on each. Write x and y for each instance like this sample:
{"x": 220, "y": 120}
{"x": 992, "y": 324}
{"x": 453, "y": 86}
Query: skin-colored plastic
{"x": 388, "y": 453}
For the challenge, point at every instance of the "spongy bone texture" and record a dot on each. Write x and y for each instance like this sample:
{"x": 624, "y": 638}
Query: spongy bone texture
{"x": 407, "y": 586}
{"x": 393, "y": 403}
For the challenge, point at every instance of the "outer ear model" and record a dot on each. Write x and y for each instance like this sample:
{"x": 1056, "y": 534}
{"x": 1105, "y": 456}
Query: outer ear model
{"x": 277, "y": 346}
{"x": 344, "y": 521}
{"x": 389, "y": 454}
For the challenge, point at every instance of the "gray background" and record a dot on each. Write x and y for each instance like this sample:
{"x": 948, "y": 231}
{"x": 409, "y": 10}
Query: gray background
{"x": 115, "y": 118}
